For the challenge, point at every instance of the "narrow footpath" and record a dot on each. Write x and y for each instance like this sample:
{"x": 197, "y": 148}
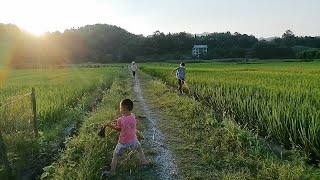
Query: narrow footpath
{"x": 154, "y": 137}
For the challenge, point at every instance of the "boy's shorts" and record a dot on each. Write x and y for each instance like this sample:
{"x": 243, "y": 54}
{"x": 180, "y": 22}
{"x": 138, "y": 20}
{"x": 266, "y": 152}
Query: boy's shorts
{"x": 122, "y": 147}
{"x": 180, "y": 81}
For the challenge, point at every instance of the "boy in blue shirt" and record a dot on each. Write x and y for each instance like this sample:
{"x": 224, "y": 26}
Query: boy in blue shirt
{"x": 180, "y": 75}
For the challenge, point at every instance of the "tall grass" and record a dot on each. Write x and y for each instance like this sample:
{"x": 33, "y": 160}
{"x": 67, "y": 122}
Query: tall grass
{"x": 207, "y": 147}
{"x": 87, "y": 154}
{"x": 62, "y": 95}
{"x": 279, "y": 100}
{"x": 56, "y": 89}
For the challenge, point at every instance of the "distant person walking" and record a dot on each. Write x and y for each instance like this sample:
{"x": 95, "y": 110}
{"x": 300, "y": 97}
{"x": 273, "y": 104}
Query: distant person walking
{"x": 180, "y": 75}
{"x": 133, "y": 69}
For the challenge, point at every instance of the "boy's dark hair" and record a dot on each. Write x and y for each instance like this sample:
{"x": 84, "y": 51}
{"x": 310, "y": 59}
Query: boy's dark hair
{"x": 182, "y": 64}
{"x": 127, "y": 103}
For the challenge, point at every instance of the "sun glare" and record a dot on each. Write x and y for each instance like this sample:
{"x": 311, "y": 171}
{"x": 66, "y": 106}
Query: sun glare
{"x": 40, "y": 16}
{"x": 36, "y": 31}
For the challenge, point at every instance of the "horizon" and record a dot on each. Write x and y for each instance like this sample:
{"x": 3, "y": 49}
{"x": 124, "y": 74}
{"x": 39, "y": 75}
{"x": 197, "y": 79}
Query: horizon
{"x": 198, "y": 34}
{"x": 260, "y": 19}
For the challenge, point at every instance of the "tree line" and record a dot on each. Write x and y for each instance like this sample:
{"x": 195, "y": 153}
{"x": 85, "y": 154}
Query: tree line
{"x": 102, "y": 43}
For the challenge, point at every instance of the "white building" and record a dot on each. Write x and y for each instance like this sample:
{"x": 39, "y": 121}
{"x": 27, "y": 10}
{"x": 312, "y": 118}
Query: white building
{"x": 199, "y": 49}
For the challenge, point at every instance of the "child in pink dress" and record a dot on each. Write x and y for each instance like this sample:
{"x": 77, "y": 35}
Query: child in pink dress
{"x": 126, "y": 124}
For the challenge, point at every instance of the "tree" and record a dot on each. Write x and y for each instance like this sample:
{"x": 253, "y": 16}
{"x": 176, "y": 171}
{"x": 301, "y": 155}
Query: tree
{"x": 105, "y": 43}
{"x": 289, "y": 38}
{"x": 288, "y": 34}
{"x": 267, "y": 50}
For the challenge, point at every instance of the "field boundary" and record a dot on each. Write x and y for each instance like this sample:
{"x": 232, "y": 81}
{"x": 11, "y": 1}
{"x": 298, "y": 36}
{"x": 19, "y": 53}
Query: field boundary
{"x": 11, "y": 101}
{"x": 58, "y": 146}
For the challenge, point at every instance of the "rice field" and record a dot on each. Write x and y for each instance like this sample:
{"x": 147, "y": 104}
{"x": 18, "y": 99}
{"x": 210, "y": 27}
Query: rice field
{"x": 280, "y": 101}
{"x": 62, "y": 95}
{"x": 56, "y": 89}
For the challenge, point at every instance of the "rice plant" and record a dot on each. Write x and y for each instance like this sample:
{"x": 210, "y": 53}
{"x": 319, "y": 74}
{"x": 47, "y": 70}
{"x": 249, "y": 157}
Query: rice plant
{"x": 278, "y": 100}
{"x": 58, "y": 93}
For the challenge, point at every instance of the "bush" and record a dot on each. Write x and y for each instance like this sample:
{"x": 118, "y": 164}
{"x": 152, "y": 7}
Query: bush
{"x": 311, "y": 54}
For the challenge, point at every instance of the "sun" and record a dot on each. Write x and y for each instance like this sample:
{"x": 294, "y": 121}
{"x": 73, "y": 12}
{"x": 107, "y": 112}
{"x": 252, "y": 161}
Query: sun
{"x": 36, "y": 31}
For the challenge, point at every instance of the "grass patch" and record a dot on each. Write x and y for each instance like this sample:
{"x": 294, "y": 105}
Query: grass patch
{"x": 278, "y": 100}
{"x": 86, "y": 154}
{"x": 211, "y": 148}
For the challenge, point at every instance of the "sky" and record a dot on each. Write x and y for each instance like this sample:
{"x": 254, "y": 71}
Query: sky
{"x": 261, "y": 18}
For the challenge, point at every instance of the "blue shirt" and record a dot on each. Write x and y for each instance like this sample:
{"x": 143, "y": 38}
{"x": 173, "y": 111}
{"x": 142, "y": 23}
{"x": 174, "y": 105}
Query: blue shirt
{"x": 181, "y": 72}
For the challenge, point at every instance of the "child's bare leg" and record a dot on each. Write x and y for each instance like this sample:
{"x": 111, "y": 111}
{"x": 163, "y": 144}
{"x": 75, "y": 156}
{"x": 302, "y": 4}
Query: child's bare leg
{"x": 180, "y": 86}
{"x": 141, "y": 154}
{"x": 114, "y": 162}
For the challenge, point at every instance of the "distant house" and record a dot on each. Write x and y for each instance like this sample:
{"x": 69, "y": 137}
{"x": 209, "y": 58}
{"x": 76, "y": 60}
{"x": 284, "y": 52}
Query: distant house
{"x": 199, "y": 49}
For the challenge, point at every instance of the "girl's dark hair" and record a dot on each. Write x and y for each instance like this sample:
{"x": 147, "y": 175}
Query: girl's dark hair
{"x": 182, "y": 64}
{"x": 127, "y": 103}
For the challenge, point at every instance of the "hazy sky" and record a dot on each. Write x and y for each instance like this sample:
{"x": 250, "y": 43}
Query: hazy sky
{"x": 262, "y": 18}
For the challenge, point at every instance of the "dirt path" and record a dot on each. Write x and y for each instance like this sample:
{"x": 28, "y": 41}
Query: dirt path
{"x": 164, "y": 158}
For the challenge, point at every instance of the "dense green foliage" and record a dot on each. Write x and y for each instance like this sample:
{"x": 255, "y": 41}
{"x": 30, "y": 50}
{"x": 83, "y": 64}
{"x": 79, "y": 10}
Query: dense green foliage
{"x": 56, "y": 89}
{"x": 207, "y": 146}
{"x": 63, "y": 97}
{"x": 309, "y": 54}
{"x": 109, "y": 44}
{"x": 279, "y": 101}
{"x": 87, "y": 155}
{"x": 204, "y": 147}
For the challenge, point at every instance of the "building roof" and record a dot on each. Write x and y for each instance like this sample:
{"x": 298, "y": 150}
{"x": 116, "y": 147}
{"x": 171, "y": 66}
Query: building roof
{"x": 200, "y": 46}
